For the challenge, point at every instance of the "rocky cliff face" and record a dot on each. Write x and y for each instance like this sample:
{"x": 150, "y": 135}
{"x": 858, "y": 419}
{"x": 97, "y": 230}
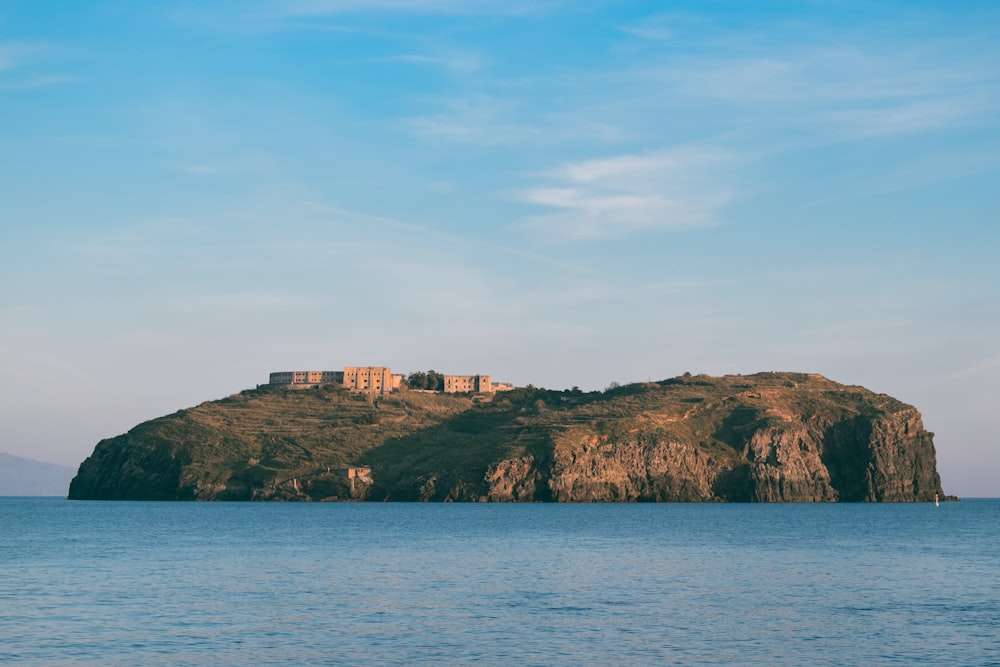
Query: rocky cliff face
{"x": 637, "y": 466}
{"x": 131, "y": 468}
{"x": 873, "y": 460}
{"x": 773, "y": 437}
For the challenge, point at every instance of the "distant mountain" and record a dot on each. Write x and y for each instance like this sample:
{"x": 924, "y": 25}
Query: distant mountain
{"x": 26, "y": 477}
{"x": 762, "y": 438}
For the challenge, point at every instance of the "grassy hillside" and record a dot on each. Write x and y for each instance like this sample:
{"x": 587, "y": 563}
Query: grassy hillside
{"x": 442, "y": 446}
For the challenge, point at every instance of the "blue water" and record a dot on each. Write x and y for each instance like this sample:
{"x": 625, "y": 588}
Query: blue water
{"x": 235, "y": 584}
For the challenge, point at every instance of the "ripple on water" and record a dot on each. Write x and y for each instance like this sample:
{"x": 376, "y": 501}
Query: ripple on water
{"x": 185, "y": 583}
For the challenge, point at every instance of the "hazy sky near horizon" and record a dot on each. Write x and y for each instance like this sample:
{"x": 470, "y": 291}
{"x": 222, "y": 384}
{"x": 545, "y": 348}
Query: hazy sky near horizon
{"x": 558, "y": 193}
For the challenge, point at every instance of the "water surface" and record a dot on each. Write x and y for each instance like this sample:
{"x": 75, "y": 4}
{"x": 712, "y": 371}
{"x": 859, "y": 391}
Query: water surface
{"x": 215, "y": 583}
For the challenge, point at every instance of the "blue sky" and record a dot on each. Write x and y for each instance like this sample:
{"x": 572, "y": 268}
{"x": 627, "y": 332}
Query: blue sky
{"x": 194, "y": 194}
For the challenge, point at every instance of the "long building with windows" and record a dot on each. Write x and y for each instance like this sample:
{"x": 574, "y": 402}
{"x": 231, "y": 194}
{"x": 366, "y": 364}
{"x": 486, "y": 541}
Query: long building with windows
{"x": 380, "y": 380}
{"x": 302, "y": 379}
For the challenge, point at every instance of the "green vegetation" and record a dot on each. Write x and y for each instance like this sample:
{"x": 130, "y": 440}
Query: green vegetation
{"x": 430, "y": 381}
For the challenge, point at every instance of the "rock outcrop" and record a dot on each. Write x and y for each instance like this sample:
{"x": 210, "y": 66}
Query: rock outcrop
{"x": 771, "y": 437}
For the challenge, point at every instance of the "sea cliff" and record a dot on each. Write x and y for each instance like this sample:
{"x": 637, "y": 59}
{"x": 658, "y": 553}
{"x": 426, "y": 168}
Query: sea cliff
{"x": 769, "y": 437}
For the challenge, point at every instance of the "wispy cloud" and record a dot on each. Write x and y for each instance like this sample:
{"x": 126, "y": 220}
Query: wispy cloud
{"x": 202, "y": 169}
{"x": 456, "y": 61}
{"x": 13, "y": 54}
{"x": 464, "y": 62}
{"x": 476, "y": 119}
{"x": 982, "y": 367}
{"x": 952, "y": 162}
{"x": 16, "y": 73}
{"x": 269, "y": 15}
{"x": 843, "y": 93}
{"x": 909, "y": 116}
{"x": 26, "y": 366}
{"x": 455, "y": 7}
{"x": 609, "y": 197}
{"x": 655, "y": 28}
{"x": 33, "y": 81}
{"x": 485, "y": 119}
{"x": 259, "y": 301}
{"x": 227, "y": 165}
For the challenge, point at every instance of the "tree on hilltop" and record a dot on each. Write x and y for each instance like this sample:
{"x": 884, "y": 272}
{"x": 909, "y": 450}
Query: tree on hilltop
{"x": 431, "y": 380}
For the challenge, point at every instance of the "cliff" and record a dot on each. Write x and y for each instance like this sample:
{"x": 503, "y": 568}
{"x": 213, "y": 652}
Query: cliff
{"x": 770, "y": 437}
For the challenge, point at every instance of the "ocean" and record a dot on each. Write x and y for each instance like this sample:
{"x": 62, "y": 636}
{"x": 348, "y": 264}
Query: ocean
{"x": 147, "y": 583}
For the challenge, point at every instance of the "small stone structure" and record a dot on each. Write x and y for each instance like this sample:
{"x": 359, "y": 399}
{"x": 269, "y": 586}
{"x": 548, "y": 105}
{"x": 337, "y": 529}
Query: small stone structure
{"x": 364, "y": 473}
{"x": 455, "y": 384}
{"x": 357, "y": 475}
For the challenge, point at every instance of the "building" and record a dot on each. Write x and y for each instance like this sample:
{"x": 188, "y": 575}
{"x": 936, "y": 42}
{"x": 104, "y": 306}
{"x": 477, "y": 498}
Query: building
{"x": 356, "y": 474}
{"x": 457, "y": 384}
{"x": 305, "y": 379}
{"x": 372, "y": 379}
{"x": 380, "y": 380}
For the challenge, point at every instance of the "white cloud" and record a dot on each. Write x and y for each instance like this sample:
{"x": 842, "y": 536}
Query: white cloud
{"x": 489, "y": 120}
{"x": 15, "y": 59}
{"x": 463, "y": 62}
{"x": 953, "y": 162}
{"x": 983, "y": 367}
{"x": 608, "y": 197}
{"x": 456, "y": 61}
{"x": 844, "y": 94}
{"x": 477, "y": 119}
{"x": 12, "y": 54}
{"x": 258, "y": 302}
{"x": 202, "y": 169}
{"x": 906, "y": 117}
{"x": 323, "y": 15}
{"x": 34, "y": 81}
{"x": 227, "y": 165}
{"x": 457, "y": 7}
{"x": 654, "y": 28}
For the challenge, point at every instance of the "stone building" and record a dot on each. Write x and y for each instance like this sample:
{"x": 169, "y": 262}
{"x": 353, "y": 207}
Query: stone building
{"x": 456, "y": 384}
{"x": 357, "y": 472}
{"x": 380, "y": 380}
{"x": 305, "y": 379}
{"x": 374, "y": 379}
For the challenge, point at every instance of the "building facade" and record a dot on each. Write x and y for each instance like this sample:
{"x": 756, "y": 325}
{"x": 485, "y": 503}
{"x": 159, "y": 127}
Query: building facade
{"x": 380, "y": 380}
{"x": 457, "y": 384}
{"x": 373, "y": 379}
{"x": 302, "y": 379}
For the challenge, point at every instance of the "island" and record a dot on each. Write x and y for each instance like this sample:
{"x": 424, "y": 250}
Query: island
{"x": 767, "y": 437}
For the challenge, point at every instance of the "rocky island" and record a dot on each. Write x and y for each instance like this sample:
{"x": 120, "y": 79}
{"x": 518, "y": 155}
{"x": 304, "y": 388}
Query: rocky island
{"x": 769, "y": 437}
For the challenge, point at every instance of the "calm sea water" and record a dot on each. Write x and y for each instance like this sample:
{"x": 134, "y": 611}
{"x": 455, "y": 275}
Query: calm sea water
{"x": 236, "y": 584}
